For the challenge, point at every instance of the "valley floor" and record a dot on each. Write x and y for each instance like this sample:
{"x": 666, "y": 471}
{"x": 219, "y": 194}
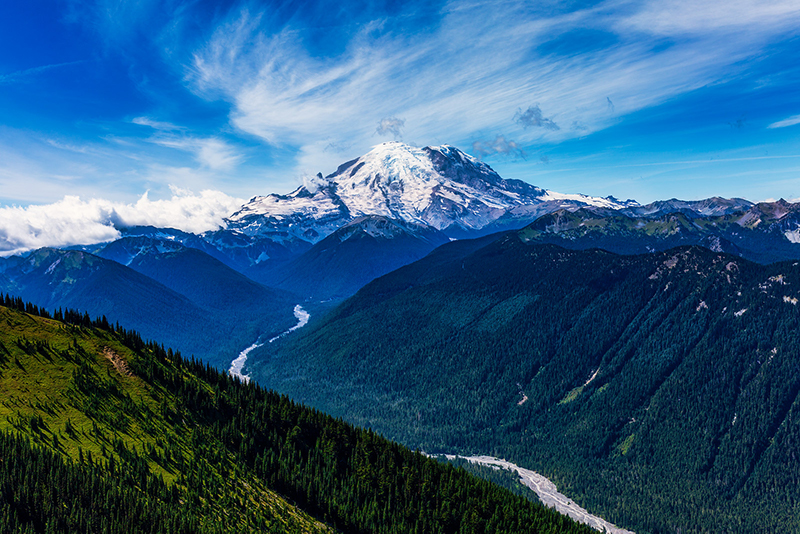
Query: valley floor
{"x": 547, "y": 492}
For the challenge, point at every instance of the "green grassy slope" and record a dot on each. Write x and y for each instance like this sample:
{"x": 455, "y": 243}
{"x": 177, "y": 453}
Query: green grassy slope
{"x": 72, "y": 390}
{"x": 103, "y": 432}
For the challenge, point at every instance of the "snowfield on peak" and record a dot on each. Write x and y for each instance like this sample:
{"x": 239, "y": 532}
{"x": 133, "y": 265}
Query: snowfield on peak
{"x": 316, "y": 204}
{"x": 598, "y": 202}
{"x": 437, "y": 186}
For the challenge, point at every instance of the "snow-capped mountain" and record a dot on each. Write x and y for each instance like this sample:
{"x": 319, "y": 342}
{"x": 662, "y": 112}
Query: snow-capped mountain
{"x": 437, "y": 186}
{"x": 709, "y": 207}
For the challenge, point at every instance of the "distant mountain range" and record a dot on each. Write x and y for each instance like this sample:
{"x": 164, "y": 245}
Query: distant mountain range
{"x": 167, "y": 291}
{"x": 443, "y": 189}
{"x": 374, "y": 214}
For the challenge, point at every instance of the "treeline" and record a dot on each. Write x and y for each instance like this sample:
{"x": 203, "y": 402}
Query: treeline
{"x": 41, "y": 491}
{"x": 351, "y": 478}
{"x": 131, "y": 338}
{"x": 68, "y": 316}
{"x": 215, "y": 437}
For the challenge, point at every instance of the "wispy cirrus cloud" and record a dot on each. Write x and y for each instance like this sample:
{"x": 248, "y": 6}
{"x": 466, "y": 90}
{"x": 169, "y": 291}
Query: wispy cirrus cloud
{"x": 156, "y": 125}
{"x": 26, "y": 74}
{"x": 701, "y": 17}
{"x": 211, "y": 152}
{"x": 290, "y": 89}
{"x": 789, "y": 121}
{"x": 456, "y": 80}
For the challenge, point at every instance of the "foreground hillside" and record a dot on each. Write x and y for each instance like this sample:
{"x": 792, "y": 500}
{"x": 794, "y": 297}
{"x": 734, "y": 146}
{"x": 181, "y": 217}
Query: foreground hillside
{"x": 100, "y": 432}
{"x": 661, "y": 391}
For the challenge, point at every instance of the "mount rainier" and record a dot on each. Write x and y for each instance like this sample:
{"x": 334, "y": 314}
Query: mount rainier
{"x": 438, "y": 186}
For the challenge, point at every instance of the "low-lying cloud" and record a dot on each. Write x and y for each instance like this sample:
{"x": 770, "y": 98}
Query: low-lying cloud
{"x": 73, "y": 221}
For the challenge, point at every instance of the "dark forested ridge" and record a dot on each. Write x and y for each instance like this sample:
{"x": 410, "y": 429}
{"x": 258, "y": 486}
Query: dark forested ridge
{"x": 183, "y": 297}
{"x": 103, "y": 432}
{"x": 660, "y": 391}
{"x": 355, "y": 254}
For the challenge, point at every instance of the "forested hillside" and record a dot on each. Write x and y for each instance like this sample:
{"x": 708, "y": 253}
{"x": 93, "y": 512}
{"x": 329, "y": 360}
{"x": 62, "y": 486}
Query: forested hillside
{"x": 660, "y": 391}
{"x": 183, "y": 297}
{"x": 103, "y": 432}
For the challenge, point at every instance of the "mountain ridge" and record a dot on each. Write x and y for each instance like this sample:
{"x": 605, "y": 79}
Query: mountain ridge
{"x": 350, "y": 257}
{"x": 438, "y": 186}
{"x": 193, "y": 322}
{"x": 656, "y": 377}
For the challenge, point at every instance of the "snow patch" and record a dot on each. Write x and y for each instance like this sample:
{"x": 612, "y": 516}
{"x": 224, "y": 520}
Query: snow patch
{"x": 599, "y": 202}
{"x": 793, "y": 235}
{"x": 53, "y": 266}
{"x": 740, "y": 312}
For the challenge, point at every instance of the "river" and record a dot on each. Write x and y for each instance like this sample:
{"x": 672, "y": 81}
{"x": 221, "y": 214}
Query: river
{"x": 237, "y": 365}
{"x": 548, "y": 493}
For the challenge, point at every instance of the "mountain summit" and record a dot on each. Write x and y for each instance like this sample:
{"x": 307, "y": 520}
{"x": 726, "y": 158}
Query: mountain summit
{"x": 438, "y": 186}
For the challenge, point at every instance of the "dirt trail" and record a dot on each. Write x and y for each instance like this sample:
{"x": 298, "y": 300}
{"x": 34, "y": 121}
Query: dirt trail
{"x": 117, "y": 361}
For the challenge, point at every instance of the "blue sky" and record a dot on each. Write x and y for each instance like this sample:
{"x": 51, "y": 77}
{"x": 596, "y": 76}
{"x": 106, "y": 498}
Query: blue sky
{"x": 207, "y": 103}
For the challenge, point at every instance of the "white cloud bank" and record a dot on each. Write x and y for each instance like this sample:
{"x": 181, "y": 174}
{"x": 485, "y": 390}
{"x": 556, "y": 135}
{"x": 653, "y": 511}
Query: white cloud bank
{"x": 73, "y": 221}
